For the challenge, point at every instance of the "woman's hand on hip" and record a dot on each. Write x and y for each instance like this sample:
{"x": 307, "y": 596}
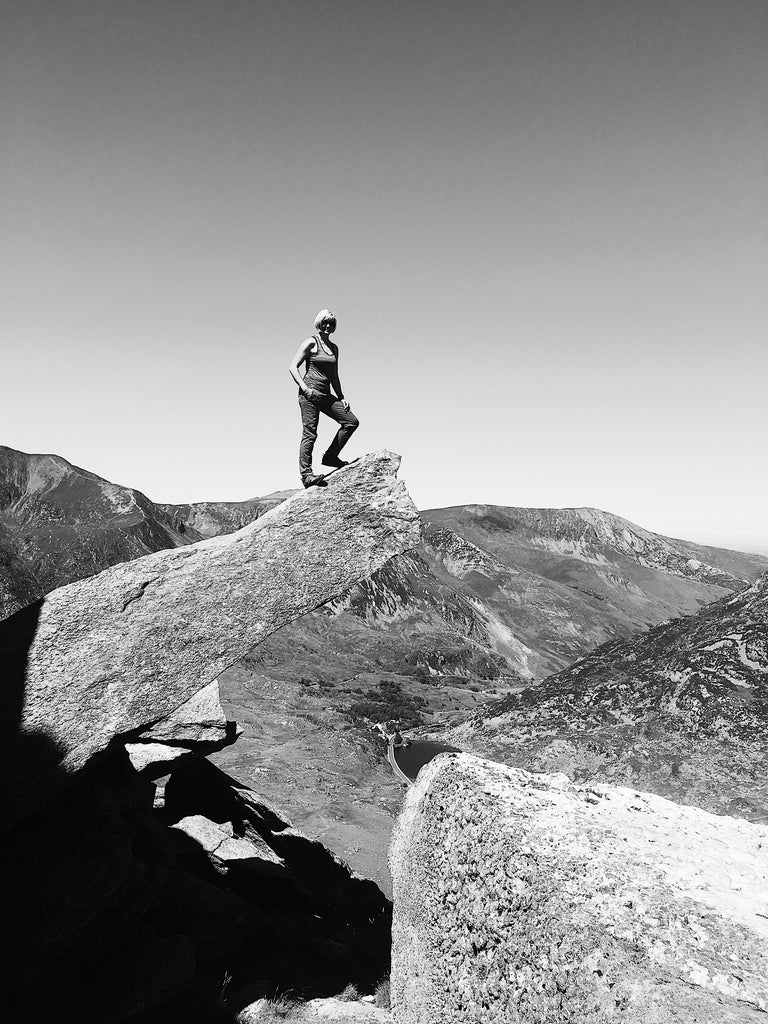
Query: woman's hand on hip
{"x": 345, "y": 403}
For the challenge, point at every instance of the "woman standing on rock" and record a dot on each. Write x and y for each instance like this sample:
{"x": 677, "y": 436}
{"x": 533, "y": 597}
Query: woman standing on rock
{"x": 316, "y": 395}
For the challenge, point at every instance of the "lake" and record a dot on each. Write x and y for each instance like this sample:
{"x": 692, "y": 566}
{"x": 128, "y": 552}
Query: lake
{"x": 420, "y": 752}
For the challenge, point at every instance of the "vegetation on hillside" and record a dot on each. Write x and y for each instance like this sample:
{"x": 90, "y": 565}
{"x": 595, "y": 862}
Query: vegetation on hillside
{"x": 388, "y": 701}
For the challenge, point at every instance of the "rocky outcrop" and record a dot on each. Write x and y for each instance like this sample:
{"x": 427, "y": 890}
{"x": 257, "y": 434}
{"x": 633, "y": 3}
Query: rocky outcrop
{"x": 146, "y": 882}
{"x": 526, "y": 898}
{"x": 681, "y": 711}
{"x": 332, "y": 1011}
{"x": 112, "y": 654}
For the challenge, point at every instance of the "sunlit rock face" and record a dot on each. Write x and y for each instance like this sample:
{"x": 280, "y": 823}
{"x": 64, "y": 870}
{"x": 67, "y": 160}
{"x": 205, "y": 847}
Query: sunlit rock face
{"x": 681, "y": 710}
{"x": 525, "y": 898}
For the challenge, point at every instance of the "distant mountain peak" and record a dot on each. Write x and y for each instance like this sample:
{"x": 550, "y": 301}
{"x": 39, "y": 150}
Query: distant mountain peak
{"x": 601, "y": 538}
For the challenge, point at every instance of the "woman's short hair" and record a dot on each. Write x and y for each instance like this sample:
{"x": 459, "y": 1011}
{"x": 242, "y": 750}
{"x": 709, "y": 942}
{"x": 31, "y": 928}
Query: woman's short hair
{"x": 323, "y": 316}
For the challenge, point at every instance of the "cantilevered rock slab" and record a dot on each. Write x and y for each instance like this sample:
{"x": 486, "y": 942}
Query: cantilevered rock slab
{"x": 525, "y": 898}
{"x": 112, "y": 654}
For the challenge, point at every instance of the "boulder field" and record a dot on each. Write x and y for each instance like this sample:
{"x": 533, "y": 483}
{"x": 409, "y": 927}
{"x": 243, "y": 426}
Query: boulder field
{"x": 146, "y": 884}
{"x": 527, "y": 898}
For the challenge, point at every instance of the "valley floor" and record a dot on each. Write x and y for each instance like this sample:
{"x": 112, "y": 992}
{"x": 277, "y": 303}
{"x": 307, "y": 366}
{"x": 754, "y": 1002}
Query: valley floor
{"x": 302, "y": 749}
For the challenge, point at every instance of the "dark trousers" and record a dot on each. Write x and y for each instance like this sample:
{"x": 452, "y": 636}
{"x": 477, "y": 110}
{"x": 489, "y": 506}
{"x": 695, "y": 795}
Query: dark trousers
{"x": 310, "y": 413}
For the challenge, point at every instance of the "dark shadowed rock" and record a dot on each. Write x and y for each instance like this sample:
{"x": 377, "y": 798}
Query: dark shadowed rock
{"x": 120, "y": 906}
{"x": 113, "y": 654}
{"x": 524, "y": 898}
{"x": 128, "y": 905}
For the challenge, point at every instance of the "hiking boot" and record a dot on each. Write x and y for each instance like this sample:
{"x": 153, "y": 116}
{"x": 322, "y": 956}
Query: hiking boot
{"x": 314, "y": 480}
{"x": 334, "y": 461}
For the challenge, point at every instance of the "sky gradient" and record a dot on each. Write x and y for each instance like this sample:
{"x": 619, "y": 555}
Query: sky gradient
{"x": 543, "y": 227}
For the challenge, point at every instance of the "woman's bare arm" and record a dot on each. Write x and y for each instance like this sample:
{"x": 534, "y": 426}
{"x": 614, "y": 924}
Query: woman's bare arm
{"x": 301, "y": 357}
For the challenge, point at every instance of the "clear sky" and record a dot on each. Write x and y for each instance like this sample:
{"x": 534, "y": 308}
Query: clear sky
{"x": 543, "y": 225}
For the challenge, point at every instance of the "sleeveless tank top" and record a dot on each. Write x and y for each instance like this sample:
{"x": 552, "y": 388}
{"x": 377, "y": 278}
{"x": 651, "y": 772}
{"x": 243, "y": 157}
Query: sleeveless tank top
{"x": 321, "y": 368}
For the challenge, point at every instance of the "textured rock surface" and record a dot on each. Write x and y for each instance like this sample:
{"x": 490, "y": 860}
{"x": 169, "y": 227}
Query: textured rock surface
{"x": 154, "y": 759}
{"x": 116, "y": 652}
{"x": 332, "y": 1011}
{"x": 526, "y": 898}
{"x": 681, "y": 710}
{"x": 337, "y": 1011}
